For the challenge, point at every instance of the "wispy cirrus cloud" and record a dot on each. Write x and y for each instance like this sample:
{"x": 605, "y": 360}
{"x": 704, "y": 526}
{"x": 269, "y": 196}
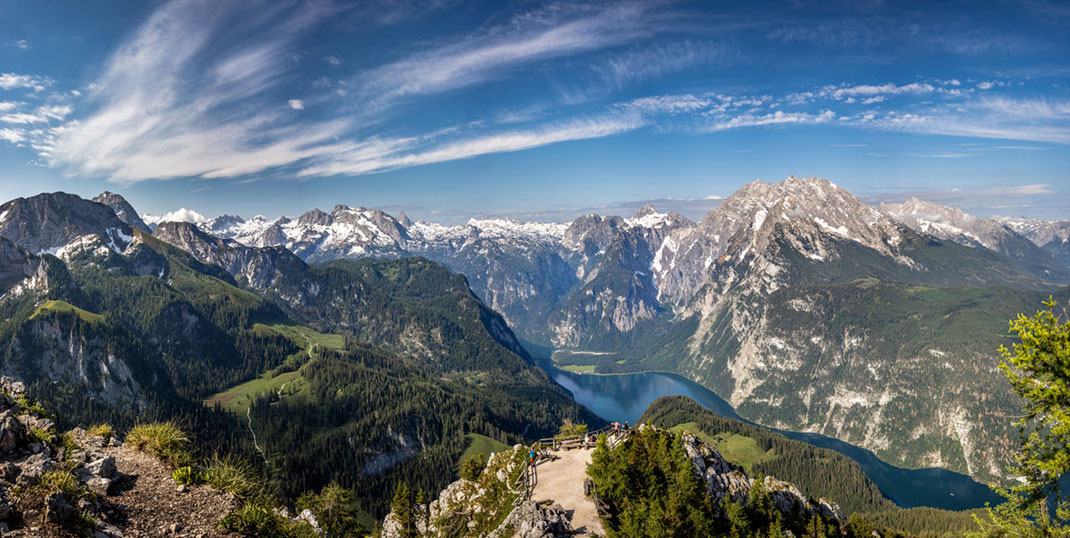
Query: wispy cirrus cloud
{"x": 189, "y": 95}
{"x": 529, "y": 38}
{"x": 381, "y": 156}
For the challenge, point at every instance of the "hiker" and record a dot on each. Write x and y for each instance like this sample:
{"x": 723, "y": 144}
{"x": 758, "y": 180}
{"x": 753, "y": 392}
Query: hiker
{"x": 626, "y": 425}
{"x": 531, "y": 455}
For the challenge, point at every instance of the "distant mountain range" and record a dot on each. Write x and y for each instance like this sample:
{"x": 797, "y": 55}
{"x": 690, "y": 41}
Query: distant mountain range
{"x": 805, "y": 307}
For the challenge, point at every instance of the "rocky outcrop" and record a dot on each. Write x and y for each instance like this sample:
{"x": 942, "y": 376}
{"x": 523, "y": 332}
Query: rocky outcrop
{"x": 529, "y": 520}
{"x": 726, "y": 481}
{"x": 484, "y": 507}
{"x": 15, "y": 264}
{"x": 122, "y": 209}
{"x": 33, "y": 473}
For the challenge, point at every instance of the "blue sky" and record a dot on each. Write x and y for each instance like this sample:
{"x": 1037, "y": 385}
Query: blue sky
{"x": 531, "y": 109}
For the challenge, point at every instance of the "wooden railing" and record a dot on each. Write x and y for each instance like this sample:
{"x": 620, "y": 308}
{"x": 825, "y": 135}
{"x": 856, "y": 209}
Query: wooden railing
{"x": 599, "y": 505}
{"x": 573, "y": 441}
{"x": 525, "y": 483}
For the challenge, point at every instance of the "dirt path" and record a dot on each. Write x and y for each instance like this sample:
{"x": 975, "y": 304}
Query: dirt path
{"x": 153, "y": 506}
{"x": 561, "y": 481}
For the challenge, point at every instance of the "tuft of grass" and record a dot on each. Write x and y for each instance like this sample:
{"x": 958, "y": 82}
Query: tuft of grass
{"x": 164, "y": 440}
{"x": 69, "y": 444}
{"x": 32, "y": 405}
{"x": 186, "y": 476}
{"x": 231, "y": 475}
{"x": 42, "y": 435}
{"x": 257, "y": 517}
{"x": 60, "y": 479}
{"x": 100, "y": 430}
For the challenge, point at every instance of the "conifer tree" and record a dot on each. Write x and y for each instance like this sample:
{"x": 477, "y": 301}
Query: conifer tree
{"x": 1038, "y": 368}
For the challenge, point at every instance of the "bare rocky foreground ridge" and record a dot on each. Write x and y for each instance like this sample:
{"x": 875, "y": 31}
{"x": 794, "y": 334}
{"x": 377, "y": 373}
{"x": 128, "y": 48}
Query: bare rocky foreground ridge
{"x": 92, "y": 485}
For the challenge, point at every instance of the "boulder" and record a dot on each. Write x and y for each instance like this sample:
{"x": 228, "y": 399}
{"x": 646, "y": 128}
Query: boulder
{"x": 12, "y": 386}
{"x": 99, "y": 485}
{"x": 60, "y": 510}
{"x": 307, "y": 516}
{"x": 9, "y": 472}
{"x": 103, "y": 467}
{"x": 529, "y": 520}
{"x": 33, "y": 468}
{"x": 12, "y": 434}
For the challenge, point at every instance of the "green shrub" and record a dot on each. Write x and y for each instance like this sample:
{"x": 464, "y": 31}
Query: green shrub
{"x": 32, "y": 405}
{"x": 186, "y": 476}
{"x": 231, "y": 475}
{"x": 42, "y": 435}
{"x": 164, "y": 440}
{"x": 257, "y": 517}
{"x": 100, "y": 430}
{"x": 568, "y": 429}
{"x": 334, "y": 509}
{"x": 473, "y": 467}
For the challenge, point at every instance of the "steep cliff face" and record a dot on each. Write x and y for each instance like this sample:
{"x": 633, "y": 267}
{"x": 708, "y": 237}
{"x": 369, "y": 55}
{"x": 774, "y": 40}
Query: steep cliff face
{"x": 800, "y": 327}
{"x": 122, "y": 209}
{"x": 45, "y": 222}
{"x": 59, "y": 346}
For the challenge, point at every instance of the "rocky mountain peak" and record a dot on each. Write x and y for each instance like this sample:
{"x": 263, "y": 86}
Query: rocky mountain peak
{"x": 122, "y": 209}
{"x": 48, "y": 221}
{"x": 647, "y": 209}
{"x": 404, "y": 220}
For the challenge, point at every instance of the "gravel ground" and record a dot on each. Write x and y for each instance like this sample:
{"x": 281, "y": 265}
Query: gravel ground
{"x": 153, "y": 505}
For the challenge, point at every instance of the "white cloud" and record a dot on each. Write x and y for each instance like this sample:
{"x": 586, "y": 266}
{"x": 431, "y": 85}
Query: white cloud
{"x": 478, "y": 58}
{"x": 23, "y": 44}
{"x": 333, "y": 60}
{"x": 10, "y": 81}
{"x": 773, "y": 118}
{"x": 7, "y": 105}
{"x": 379, "y": 156}
{"x": 670, "y": 103}
{"x": 183, "y": 98}
{"x": 863, "y": 90}
{"x": 650, "y": 61}
{"x": 179, "y": 215}
{"x": 297, "y": 104}
{"x": 23, "y": 118}
{"x": 14, "y": 136}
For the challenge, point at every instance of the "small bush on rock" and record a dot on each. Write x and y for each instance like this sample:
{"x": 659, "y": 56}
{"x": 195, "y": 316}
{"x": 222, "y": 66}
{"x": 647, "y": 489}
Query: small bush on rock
{"x": 186, "y": 476}
{"x": 100, "y": 430}
{"x": 165, "y": 440}
{"x": 231, "y": 475}
{"x": 473, "y": 467}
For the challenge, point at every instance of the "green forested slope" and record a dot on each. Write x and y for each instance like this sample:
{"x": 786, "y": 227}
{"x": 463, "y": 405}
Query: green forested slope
{"x": 818, "y": 472}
